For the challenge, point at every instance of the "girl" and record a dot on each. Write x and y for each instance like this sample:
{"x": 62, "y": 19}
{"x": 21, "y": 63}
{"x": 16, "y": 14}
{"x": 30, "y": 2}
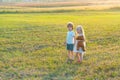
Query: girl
{"x": 80, "y": 44}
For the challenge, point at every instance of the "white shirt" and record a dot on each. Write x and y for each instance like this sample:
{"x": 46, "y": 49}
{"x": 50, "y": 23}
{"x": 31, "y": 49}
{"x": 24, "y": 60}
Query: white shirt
{"x": 70, "y": 37}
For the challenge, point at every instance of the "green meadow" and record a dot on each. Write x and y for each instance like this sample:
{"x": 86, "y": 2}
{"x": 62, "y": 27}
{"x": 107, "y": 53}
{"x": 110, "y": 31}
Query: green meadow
{"x": 32, "y": 46}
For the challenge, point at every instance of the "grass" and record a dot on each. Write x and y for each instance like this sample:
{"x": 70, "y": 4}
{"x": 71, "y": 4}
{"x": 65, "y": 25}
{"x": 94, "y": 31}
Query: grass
{"x": 31, "y": 46}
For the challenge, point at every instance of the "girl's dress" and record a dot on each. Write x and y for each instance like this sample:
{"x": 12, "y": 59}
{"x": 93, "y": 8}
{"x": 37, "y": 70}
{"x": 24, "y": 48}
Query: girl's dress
{"x": 80, "y": 49}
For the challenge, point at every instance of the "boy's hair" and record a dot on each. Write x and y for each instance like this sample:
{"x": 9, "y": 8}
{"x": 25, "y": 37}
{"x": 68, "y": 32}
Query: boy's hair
{"x": 70, "y": 24}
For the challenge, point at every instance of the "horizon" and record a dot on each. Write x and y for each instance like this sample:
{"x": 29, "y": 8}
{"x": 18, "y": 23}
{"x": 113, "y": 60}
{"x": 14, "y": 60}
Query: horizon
{"x": 59, "y": 1}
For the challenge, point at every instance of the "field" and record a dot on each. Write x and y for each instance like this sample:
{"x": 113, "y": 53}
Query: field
{"x": 31, "y": 45}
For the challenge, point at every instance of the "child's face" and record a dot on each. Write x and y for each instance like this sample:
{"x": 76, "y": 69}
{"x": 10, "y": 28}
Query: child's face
{"x": 79, "y": 31}
{"x": 70, "y": 28}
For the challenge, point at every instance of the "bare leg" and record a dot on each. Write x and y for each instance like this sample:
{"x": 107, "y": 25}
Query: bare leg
{"x": 72, "y": 55}
{"x": 75, "y": 55}
{"x": 81, "y": 57}
{"x": 68, "y": 59}
{"x": 78, "y": 54}
{"x": 69, "y": 54}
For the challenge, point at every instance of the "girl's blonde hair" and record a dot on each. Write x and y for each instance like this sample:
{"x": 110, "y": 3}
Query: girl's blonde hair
{"x": 81, "y": 28}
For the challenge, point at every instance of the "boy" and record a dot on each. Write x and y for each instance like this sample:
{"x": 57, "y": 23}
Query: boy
{"x": 70, "y": 41}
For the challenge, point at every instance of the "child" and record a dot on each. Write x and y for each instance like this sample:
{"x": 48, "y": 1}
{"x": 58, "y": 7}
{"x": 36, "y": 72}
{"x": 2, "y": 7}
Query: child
{"x": 80, "y": 44}
{"x": 70, "y": 41}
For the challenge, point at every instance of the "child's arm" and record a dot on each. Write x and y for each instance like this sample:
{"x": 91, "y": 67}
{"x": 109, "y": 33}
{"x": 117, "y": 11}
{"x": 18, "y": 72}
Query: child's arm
{"x": 74, "y": 39}
{"x": 84, "y": 38}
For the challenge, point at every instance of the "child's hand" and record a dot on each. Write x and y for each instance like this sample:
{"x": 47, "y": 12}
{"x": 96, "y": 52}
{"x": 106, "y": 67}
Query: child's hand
{"x": 65, "y": 43}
